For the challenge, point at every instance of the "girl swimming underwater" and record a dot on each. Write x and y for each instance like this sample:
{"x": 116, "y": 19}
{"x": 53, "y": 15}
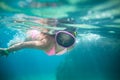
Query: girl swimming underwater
{"x": 55, "y": 44}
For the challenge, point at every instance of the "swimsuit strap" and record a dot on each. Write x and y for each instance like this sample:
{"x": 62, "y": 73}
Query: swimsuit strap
{"x": 51, "y": 51}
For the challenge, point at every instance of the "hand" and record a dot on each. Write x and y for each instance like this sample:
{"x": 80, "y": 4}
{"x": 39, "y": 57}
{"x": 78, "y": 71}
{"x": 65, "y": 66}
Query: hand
{"x": 2, "y": 52}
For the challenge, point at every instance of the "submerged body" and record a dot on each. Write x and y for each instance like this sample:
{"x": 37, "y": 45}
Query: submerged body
{"x": 39, "y": 39}
{"x": 48, "y": 42}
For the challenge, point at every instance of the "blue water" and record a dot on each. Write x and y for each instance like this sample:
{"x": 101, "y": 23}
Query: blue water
{"x": 96, "y": 55}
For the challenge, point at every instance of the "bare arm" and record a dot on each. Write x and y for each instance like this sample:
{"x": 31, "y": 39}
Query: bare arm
{"x": 28, "y": 44}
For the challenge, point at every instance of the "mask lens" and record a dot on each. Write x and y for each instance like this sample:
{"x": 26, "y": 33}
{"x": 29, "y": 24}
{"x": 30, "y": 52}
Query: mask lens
{"x": 65, "y": 39}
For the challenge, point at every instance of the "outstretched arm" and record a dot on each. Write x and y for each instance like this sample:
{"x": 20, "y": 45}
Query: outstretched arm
{"x": 28, "y": 44}
{"x": 18, "y": 46}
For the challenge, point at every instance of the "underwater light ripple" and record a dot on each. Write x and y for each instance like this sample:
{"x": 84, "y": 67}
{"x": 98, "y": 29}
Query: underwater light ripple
{"x": 88, "y": 37}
